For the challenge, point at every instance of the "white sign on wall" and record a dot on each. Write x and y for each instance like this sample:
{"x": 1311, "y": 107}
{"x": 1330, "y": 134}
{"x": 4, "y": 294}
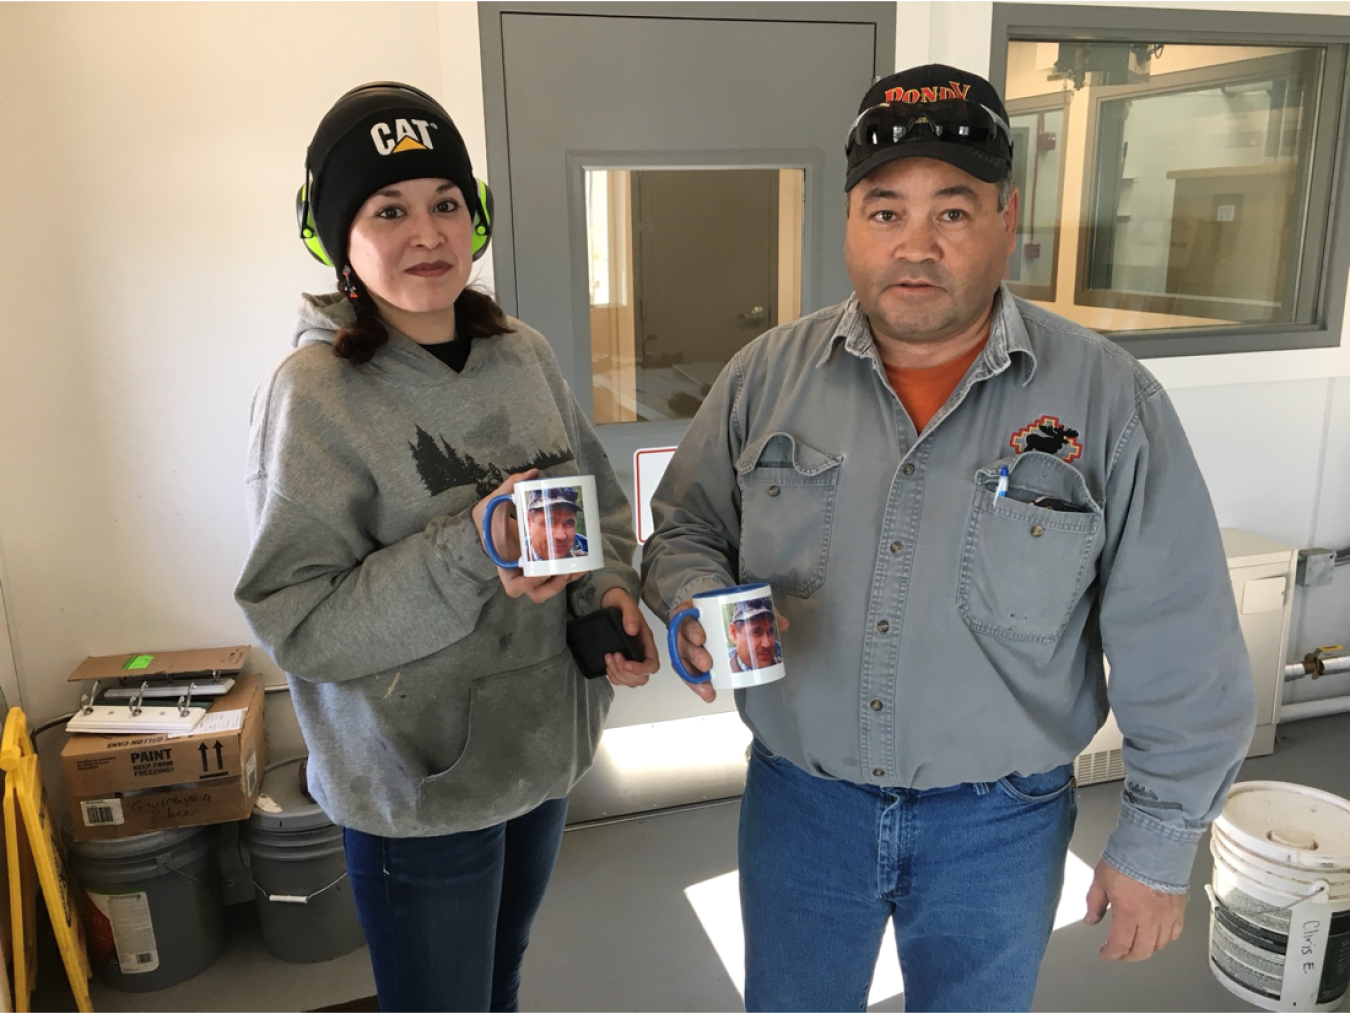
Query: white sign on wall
{"x": 649, "y": 464}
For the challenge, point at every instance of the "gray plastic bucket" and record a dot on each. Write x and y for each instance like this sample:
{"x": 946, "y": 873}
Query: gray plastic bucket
{"x": 1280, "y": 920}
{"x": 305, "y": 903}
{"x": 153, "y": 906}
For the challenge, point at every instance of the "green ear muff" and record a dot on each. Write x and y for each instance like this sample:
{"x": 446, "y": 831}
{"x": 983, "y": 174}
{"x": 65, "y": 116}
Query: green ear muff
{"x": 482, "y": 222}
{"x": 309, "y": 235}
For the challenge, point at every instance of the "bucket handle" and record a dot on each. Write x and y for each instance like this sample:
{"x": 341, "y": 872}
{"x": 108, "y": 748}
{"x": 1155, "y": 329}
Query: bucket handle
{"x": 1320, "y": 887}
{"x": 185, "y": 873}
{"x": 297, "y": 899}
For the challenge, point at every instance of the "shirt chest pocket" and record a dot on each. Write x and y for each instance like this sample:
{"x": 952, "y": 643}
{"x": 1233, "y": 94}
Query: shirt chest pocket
{"x": 1025, "y": 565}
{"x": 787, "y": 506}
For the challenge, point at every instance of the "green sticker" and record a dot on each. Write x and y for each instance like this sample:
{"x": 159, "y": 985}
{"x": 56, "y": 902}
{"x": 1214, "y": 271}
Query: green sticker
{"x": 138, "y": 662}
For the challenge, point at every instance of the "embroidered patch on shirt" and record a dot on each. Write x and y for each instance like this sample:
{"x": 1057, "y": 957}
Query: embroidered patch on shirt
{"x": 1048, "y": 434}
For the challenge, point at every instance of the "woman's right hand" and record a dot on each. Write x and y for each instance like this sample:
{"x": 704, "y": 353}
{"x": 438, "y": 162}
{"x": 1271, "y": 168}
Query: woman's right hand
{"x": 506, "y": 538}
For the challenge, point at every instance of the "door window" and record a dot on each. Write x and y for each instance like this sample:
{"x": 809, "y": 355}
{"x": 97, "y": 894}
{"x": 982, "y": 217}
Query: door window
{"x": 685, "y": 267}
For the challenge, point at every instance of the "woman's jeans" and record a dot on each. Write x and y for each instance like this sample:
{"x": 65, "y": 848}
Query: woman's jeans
{"x": 970, "y": 875}
{"x": 448, "y": 918}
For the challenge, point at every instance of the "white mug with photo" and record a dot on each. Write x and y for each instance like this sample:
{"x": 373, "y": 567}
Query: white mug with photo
{"x": 551, "y": 516}
{"x": 742, "y": 637}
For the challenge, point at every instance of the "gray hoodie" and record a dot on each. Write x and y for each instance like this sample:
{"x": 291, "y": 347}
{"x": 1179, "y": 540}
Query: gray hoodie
{"x": 431, "y": 702}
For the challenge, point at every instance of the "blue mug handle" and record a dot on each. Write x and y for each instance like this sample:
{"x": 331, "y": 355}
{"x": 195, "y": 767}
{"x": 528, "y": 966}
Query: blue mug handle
{"x": 487, "y": 532}
{"x": 672, "y": 642}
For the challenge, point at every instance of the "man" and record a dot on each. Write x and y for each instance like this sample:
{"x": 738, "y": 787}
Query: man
{"x": 551, "y": 515}
{"x": 752, "y": 632}
{"x": 962, "y": 502}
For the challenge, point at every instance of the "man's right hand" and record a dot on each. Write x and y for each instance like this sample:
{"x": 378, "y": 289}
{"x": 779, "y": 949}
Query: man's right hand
{"x": 691, "y": 639}
{"x": 695, "y": 657}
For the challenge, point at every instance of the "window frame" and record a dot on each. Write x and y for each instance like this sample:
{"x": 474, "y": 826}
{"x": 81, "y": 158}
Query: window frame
{"x": 1179, "y": 83}
{"x": 1048, "y": 102}
{"x": 1326, "y": 249}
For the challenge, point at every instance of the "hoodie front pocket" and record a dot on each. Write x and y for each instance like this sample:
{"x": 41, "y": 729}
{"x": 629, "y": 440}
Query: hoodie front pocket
{"x": 524, "y": 743}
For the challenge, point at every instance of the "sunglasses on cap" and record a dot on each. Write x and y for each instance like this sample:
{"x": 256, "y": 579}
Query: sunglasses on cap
{"x": 954, "y": 120}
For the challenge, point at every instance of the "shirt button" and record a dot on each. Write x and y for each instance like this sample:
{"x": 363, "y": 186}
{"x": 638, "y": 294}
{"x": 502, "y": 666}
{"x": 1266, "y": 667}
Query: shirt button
{"x": 1037, "y": 531}
{"x": 883, "y": 626}
{"x": 907, "y": 470}
{"x": 876, "y": 705}
{"x": 878, "y": 772}
{"x": 773, "y": 491}
{"x": 897, "y": 546}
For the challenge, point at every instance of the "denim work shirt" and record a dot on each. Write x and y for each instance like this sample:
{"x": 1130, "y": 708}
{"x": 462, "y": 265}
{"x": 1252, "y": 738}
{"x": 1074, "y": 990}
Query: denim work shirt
{"x": 940, "y": 633}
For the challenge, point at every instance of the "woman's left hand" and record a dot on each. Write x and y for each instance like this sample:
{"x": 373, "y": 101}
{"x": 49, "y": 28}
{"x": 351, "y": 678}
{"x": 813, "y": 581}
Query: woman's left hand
{"x": 621, "y": 671}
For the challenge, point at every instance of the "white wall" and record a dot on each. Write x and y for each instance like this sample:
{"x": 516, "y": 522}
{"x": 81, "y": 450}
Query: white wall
{"x": 150, "y": 160}
{"x": 9, "y": 674}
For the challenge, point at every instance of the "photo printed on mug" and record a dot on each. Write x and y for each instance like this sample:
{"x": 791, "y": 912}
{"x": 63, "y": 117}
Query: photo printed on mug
{"x": 752, "y": 630}
{"x": 555, "y": 521}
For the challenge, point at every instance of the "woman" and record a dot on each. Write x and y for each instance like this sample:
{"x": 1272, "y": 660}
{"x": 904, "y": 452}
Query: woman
{"x": 445, "y": 718}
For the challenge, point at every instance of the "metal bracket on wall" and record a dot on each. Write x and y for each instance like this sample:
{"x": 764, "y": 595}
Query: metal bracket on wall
{"x": 1315, "y": 567}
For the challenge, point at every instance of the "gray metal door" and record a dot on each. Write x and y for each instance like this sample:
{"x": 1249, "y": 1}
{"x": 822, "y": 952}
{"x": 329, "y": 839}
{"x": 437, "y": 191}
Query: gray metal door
{"x": 571, "y": 87}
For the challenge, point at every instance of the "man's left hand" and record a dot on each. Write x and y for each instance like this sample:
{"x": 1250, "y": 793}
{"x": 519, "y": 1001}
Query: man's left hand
{"x": 1143, "y": 921}
{"x": 622, "y": 671}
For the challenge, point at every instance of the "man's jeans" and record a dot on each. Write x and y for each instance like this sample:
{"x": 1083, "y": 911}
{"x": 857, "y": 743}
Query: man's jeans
{"x": 970, "y": 875}
{"x": 447, "y": 918}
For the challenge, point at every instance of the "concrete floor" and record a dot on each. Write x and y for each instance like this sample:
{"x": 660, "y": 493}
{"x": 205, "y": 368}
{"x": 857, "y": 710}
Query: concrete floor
{"x": 619, "y": 933}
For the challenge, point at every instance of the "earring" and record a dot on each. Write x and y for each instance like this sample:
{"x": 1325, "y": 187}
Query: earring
{"x": 347, "y": 285}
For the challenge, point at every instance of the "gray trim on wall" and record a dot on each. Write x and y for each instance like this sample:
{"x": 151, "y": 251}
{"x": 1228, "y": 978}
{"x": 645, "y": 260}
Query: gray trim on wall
{"x": 1033, "y": 22}
{"x": 874, "y": 12}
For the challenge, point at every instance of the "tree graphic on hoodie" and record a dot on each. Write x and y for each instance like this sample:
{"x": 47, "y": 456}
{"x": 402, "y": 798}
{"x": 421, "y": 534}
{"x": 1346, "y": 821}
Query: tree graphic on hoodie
{"x": 442, "y": 467}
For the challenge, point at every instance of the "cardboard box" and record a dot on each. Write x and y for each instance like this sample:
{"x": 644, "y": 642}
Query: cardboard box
{"x": 137, "y": 666}
{"x": 124, "y": 785}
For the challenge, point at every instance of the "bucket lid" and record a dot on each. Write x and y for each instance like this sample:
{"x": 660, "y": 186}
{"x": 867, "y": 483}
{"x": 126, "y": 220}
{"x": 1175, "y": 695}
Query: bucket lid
{"x": 1291, "y": 824}
{"x": 135, "y": 846}
{"x": 281, "y": 806}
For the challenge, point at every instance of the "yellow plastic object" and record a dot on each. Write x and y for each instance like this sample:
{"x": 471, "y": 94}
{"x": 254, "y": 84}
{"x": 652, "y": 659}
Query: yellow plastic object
{"x": 34, "y": 852}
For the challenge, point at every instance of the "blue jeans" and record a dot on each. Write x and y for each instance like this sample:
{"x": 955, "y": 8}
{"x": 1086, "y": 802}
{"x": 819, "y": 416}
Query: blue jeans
{"x": 448, "y": 918}
{"x": 969, "y": 874}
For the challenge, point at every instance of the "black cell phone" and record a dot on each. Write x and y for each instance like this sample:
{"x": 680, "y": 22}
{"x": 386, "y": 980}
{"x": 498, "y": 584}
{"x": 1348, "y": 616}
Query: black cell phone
{"x": 598, "y": 634}
{"x": 1054, "y": 503}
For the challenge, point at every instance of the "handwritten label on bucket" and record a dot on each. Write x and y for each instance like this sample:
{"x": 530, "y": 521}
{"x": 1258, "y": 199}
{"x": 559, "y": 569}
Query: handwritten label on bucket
{"x": 1306, "y": 952}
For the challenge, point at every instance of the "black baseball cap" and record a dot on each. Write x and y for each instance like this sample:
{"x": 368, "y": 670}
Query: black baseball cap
{"x": 969, "y": 124}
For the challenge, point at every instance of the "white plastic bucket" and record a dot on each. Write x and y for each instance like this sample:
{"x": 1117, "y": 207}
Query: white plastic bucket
{"x": 1279, "y": 929}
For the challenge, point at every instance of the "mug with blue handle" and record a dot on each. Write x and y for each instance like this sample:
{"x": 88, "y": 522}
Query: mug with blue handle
{"x": 742, "y": 637}
{"x": 558, "y": 519}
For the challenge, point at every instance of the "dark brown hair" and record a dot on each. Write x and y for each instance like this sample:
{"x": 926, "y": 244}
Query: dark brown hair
{"x": 477, "y": 315}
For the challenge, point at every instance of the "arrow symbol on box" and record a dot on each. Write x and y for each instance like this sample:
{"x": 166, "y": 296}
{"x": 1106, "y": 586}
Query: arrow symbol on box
{"x": 202, "y": 748}
{"x": 220, "y": 759}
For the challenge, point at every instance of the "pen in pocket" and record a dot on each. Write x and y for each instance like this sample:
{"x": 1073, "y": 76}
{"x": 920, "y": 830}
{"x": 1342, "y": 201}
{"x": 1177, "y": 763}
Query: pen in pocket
{"x": 1002, "y": 482}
